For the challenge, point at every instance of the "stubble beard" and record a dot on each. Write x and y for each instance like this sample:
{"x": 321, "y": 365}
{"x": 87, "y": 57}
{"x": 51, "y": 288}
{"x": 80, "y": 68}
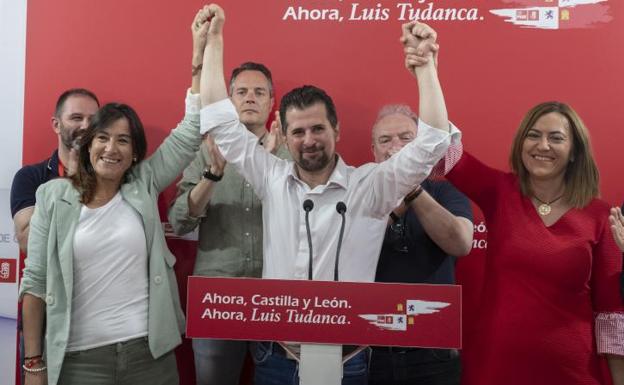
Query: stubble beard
{"x": 70, "y": 139}
{"x": 313, "y": 165}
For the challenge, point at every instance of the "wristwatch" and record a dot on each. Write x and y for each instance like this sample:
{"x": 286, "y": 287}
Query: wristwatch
{"x": 210, "y": 176}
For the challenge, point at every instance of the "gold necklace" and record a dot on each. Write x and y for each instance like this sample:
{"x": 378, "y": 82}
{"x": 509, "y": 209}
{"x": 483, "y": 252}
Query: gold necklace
{"x": 545, "y": 209}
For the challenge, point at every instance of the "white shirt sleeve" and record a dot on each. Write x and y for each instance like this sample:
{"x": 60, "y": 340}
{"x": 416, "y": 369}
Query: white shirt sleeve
{"x": 397, "y": 176}
{"x": 192, "y": 103}
{"x": 238, "y": 146}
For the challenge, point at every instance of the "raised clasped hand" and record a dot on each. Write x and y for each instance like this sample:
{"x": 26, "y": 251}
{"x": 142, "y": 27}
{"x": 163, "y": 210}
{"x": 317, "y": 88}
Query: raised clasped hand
{"x": 199, "y": 28}
{"x": 419, "y": 45}
{"x": 213, "y": 17}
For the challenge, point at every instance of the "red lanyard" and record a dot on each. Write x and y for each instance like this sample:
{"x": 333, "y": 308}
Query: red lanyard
{"x": 61, "y": 168}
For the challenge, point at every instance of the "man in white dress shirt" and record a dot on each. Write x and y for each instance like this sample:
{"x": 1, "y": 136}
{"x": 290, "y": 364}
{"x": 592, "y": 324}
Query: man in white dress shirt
{"x": 369, "y": 193}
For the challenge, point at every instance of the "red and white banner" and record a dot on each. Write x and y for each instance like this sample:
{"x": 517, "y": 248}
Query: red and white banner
{"x": 350, "y": 313}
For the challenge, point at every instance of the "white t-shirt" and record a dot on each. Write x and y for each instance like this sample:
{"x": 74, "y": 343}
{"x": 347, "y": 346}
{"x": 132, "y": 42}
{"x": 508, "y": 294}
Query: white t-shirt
{"x": 110, "y": 295}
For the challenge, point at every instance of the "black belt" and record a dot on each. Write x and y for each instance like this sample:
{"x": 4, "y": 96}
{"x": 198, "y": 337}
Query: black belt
{"x": 279, "y": 349}
{"x": 450, "y": 353}
{"x": 396, "y": 349}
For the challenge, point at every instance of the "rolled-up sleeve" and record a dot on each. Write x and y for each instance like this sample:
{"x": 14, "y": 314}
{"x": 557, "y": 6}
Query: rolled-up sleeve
{"x": 610, "y": 333}
{"x": 218, "y": 114}
{"x": 398, "y": 175}
{"x": 452, "y": 156}
{"x": 606, "y": 298}
{"x": 238, "y": 146}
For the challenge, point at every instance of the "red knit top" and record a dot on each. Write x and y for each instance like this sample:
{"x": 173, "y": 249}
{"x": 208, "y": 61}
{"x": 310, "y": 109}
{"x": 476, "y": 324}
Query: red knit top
{"x": 543, "y": 287}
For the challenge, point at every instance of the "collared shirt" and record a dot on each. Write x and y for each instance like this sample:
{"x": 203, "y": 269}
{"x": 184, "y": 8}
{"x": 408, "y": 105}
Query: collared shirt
{"x": 29, "y": 178}
{"x": 230, "y": 230}
{"x": 370, "y": 192}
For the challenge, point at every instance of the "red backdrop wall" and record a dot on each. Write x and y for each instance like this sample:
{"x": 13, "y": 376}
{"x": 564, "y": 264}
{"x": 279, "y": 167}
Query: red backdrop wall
{"x": 492, "y": 72}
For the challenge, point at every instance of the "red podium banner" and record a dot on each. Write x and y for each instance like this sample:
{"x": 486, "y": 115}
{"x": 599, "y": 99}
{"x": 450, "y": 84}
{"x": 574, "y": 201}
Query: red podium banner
{"x": 385, "y": 314}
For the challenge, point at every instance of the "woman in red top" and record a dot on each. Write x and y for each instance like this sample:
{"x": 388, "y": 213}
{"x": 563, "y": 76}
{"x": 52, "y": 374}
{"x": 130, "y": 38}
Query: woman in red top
{"x": 551, "y": 308}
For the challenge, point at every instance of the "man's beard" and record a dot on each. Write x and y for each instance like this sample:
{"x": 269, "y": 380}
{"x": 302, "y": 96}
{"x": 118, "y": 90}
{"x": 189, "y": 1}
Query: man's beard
{"x": 315, "y": 164}
{"x": 70, "y": 139}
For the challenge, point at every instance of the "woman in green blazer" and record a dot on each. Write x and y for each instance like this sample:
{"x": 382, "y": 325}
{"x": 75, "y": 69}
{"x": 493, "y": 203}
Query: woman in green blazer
{"x": 111, "y": 171}
{"x": 99, "y": 285}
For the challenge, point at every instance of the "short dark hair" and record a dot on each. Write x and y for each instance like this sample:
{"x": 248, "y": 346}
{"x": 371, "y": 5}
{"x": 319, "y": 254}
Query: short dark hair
{"x": 60, "y": 102}
{"x": 304, "y": 97}
{"x": 85, "y": 179}
{"x": 251, "y": 66}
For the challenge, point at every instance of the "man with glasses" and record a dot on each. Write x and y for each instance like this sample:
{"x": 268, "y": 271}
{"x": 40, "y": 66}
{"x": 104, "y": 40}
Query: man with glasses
{"x": 425, "y": 233}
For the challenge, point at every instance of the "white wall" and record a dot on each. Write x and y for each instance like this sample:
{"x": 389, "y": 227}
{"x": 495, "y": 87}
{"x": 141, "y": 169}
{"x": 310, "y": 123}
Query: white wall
{"x": 12, "y": 66}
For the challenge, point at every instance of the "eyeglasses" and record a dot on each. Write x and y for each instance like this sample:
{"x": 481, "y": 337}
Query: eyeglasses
{"x": 395, "y": 236}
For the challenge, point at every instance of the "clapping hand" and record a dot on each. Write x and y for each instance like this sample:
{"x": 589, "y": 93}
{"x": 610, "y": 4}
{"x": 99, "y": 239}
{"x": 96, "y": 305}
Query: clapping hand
{"x": 274, "y": 138}
{"x": 617, "y": 226}
{"x": 217, "y": 162}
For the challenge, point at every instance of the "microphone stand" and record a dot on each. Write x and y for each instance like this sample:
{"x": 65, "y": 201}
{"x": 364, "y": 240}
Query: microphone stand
{"x": 341, "y": 208}
{"x": 323, "y": 363}
{"x": 308, "y": 205}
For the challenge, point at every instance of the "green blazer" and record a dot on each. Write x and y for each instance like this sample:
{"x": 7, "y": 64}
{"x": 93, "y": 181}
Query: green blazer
{"x": 49, "y": 265}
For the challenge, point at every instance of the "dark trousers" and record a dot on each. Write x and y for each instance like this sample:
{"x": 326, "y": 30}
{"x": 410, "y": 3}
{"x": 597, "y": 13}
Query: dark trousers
{"x": 403, "y": 366}
{"x": 273, "y": 367}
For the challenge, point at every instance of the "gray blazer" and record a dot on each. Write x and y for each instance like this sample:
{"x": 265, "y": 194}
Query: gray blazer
{"x": 49, "y": 265}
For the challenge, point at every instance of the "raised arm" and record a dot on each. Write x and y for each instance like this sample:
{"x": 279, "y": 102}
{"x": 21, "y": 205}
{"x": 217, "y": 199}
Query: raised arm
{"x": 195, "y": 191}
{"x": 419, "y": 41}
{"x": 179, "y": 148}
{"x": 397, "y": 176}
{"x": 199, "y": 30}
{"x": 213, "y": 88}
{"x": 238, "y": 146}
{"x": 200, "y": 195}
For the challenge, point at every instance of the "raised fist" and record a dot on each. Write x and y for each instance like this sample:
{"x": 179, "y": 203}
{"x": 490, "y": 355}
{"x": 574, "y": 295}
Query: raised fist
{"x": 419, "y": 44}
{"x": 215, "y": 17}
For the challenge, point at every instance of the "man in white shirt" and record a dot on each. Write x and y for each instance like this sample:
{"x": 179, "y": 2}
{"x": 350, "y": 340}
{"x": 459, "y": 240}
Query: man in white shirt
{"x": 369, "y": 193}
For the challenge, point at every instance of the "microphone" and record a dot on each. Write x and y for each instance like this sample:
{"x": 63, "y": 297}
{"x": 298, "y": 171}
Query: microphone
{"x": 308, "y": 205}
{"x": 341, "y": 208}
